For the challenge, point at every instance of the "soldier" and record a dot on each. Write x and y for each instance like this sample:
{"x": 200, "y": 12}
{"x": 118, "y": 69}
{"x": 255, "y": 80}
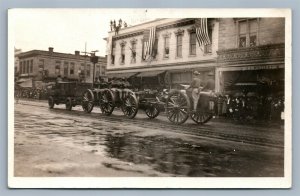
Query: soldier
{"x": 59, "y": 79}
{"x": 195, "y": 88}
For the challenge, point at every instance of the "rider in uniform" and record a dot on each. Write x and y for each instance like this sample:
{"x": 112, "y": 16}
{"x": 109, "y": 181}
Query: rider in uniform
{"x": 195, "y": 88}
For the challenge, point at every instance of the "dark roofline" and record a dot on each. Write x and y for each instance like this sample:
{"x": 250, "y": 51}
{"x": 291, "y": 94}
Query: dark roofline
{"x": 54, "y": 54}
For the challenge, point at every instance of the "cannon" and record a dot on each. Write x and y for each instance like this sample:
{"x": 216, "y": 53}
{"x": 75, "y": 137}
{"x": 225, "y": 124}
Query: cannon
{"x": 178, "y": 106}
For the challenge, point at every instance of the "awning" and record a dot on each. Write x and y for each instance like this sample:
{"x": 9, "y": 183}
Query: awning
{"x": 27, "y": 83}
{"x": 22, "y": 80}
{"x": 149, "y": 73}
{"x": 121, "y": 75}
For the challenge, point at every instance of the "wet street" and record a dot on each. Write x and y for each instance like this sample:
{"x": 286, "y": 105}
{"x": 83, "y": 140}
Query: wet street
{"x": 72, "y": 143}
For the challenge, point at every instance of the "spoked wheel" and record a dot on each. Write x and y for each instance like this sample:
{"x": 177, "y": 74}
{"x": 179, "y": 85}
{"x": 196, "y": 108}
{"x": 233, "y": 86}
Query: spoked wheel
{"x": 201, "y": 117}
{"x": 88, "y": 101}
{"x": 107, "y": 102}
{"x": 152, "y": 111}
{"x": 69, "y": 104}
{"x": 130, "y": 106}
{"x": 178, "y": 107}
{"x": 51, "y": 102}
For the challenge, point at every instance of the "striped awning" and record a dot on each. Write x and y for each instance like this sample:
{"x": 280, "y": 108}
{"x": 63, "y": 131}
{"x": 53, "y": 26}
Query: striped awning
{"x": 149, "y": 73}
{"x": 27, "y": 83}
{"x": 121, "y": 75}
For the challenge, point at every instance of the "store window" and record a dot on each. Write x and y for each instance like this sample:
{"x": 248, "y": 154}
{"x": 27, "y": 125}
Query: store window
{"x": 181, "y": 78}
{"x": 247, "y": 33}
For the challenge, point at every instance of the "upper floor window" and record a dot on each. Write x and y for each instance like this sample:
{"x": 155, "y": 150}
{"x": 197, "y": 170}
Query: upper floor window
{"x": 31, "y": 66}
{"x": 166, "y": 46}
{"x": 155, "y": 48}
{"x": 88, "y": 70}
{"x": 247, "y": 33}
{"x": 193, "y": 43}
{"x": 72, "y": 68}
{"x": 21, "y": 67}
{"x": 27, "y": 67}
{"x": 41, "y": 64}
{"x": 57, "y": 67}
{"x": 179, "y": 37}
{"x": 133, "y": 52}
{"x": 179, "y": 46}
{"x": 122, "y": 53}
{"x": 113, "y": 53}
{"x": 97, "y": 70}
{"x": 66, "y": 68}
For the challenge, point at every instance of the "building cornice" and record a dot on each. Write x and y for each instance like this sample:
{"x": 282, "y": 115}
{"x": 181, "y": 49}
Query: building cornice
{"x": 164, "y": 66}
{"x": 176, "y": 24}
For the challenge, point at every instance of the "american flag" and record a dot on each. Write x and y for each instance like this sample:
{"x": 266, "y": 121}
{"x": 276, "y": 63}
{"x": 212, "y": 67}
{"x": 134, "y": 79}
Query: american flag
{"x": 201, "y": 31}
{"x": 149, "y": 40}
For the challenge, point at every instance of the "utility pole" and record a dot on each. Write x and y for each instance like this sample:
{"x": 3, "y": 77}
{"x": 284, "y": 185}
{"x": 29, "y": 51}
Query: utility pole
{"x": 85, "y": 55}
{"x": 94, "y": 60}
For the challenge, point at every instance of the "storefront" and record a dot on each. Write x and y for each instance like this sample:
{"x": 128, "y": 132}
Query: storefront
{"x": 261, "y": 79}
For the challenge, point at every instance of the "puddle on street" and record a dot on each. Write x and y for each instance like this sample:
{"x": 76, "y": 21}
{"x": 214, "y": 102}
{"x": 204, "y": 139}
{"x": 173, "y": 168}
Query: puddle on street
{"x": 175, "y": 156}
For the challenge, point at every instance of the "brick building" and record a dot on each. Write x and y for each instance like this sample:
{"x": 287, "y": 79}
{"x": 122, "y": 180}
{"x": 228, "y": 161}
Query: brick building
{"x": 176, "y": 53}
{"x": 251, "y": 51}
{"x": 39, "y": 65}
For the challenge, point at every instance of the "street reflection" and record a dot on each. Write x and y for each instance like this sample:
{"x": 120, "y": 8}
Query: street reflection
{"x": 175, "y": 156}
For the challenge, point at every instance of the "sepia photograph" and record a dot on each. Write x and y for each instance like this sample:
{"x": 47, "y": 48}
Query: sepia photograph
{"x": 149, "y": 98}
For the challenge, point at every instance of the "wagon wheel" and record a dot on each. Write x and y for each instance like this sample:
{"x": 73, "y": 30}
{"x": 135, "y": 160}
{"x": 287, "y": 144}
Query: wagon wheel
{"x": 130, "y": 106}
{"x": 178, "y": 107}
{"x": 152, "y": 111}
{"x": 69, "y": 104}
{"x": 51, "y": 102}
{"x": 107, "y": 102}
{"x": 88, "y": 101}
{"x": 201, "y": 116}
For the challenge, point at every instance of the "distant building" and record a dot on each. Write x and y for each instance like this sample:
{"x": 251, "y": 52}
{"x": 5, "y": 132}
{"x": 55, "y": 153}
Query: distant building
{"x": 16, "y": 53}
{"x": 39, "y": 65}
{"x": 175, "y": 53}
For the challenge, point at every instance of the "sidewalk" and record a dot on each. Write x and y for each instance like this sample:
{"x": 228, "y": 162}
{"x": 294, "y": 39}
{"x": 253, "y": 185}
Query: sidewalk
{"x": 217, "y": 119}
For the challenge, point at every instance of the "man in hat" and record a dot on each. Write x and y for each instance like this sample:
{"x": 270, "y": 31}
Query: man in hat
{"x": 195, "y": 88}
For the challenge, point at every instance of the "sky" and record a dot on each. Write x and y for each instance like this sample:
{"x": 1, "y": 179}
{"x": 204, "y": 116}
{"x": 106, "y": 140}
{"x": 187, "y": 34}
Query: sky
{"x": 67, "y": 30}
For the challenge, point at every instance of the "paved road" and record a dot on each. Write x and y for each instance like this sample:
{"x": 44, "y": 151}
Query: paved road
{"x": 63, "y": 143}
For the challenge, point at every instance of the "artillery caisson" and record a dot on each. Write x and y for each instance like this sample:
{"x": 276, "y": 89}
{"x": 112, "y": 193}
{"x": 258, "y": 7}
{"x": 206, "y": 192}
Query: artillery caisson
{"x": 68, "y": 93}
{"x": 110, "y": 98}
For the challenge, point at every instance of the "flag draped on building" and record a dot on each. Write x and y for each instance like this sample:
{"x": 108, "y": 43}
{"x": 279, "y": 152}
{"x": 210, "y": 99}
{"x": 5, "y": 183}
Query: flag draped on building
{"x": 202, "y": 31}
{"x": 149, "y": 40}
